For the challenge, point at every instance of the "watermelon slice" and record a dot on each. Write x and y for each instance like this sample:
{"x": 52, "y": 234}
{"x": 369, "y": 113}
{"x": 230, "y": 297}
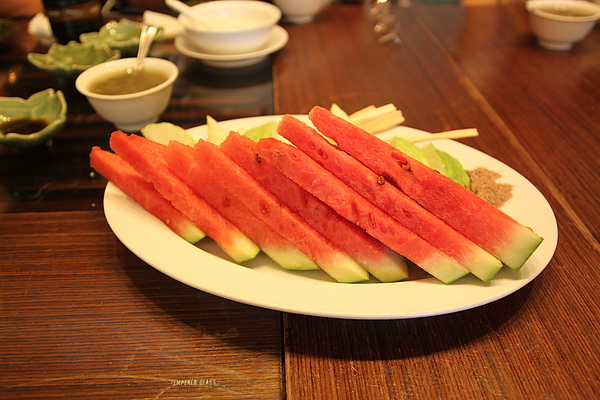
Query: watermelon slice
{"x": 297, "y": 166}
{"x": 478, "y": 220}
{"x": 389, "y": 199}
{"x": 181, "y": 160}
{"x": 148, "y": 159}
{"x": 122, "y": 175}
{"x": 264, "y": 205}
{"x": 380, "y": 261}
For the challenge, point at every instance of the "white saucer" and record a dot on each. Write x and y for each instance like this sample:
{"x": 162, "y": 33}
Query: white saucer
{"x": 279, "y": 37}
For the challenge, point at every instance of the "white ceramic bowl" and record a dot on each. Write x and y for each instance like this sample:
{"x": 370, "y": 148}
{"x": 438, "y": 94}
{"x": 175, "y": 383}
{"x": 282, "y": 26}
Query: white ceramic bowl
{"x": 300, "y": 11}
{"x": 129, "y": 112}
{"x": 558, "y": 24}
{"x": 233, "y": 27}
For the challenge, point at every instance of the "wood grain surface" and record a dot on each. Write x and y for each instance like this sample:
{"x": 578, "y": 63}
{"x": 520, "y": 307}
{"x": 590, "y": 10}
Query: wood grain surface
{"x": 456, "y": 68}
{"x": 83, "y": 317}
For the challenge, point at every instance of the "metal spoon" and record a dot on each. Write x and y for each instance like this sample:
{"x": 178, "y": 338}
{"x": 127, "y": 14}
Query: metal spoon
{"x": 146, "y": 39}
{"x": 187, "y": 11}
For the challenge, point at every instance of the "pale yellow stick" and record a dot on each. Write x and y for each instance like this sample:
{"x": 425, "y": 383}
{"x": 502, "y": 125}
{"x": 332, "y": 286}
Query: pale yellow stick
{"x": 370, "y": 113}
{"x": 360, "y": 113}
{"x": 454, "y": 134}
{"x": 384, "y": 122}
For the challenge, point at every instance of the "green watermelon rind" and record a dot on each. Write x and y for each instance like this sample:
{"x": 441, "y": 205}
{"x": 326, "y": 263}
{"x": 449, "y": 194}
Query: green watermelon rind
{"x": 523, "y": 244}
{"x": 494, "y": 231}
{"x": 291, "y": 259}
{"x": 308, "y": 174}
{"x": 122, "y": 175}
{"x": 389, "y": 199}
{"x": 380, "y": 261}
{"x": 147, "y": 158}
{"x": 180, "y": 159}
{"x": 334, "y": 262}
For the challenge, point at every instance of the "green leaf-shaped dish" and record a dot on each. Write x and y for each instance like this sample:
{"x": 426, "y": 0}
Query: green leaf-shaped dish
{"x": 123, "y": 36}
{"x": 47, "y": 105}
{"x": 68, "y": 61}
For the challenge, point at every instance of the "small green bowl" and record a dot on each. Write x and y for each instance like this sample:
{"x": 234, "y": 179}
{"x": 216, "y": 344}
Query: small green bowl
{"x": 47, "y": 105}
{"x": 68, "y": 61}
{"x": 123, "y": 36}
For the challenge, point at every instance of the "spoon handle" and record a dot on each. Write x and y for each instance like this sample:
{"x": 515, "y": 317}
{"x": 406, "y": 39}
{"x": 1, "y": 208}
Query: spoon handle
{"x": 184, "y": 9}
{"x": 178, "y": 6}
{"x": 146, "y": 39}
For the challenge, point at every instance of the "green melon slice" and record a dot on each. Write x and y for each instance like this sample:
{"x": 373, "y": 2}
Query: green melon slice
{"x": 478, "y": 220}
{"x": 297, "y": 166}
{"x": 181, "y": 160}
{"x": 164, "y": 132}
{"x": 389, "y": 199}
{"x": 216, "y": 133}
{"x": 122, "y": 175}
{"x": 380, "y": 261}
{"x": 264, "y": 205}
{"x": 148, "y": 159}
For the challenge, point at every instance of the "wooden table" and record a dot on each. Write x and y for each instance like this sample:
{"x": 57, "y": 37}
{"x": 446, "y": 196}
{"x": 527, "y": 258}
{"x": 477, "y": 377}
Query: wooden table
{"x": 82, "y": 317}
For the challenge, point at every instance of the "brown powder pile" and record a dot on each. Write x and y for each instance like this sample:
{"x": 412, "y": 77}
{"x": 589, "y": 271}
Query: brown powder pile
{"x": 483, "y": 184}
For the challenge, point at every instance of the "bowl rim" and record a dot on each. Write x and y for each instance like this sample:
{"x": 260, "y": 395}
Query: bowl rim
{"x": 82, "y": 81}
{"x": 233, "y": 5}
{"x": 533, "y": 7}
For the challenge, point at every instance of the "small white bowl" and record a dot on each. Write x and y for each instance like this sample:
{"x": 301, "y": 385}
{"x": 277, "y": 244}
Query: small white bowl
{"x": 233, "y": 27}
{"x": 300, "y": 11}
{"x": 558, "y": 24}
{"x": 129, "y": 112}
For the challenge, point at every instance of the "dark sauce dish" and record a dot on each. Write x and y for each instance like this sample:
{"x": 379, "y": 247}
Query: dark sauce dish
{"x": 33, "y": 121}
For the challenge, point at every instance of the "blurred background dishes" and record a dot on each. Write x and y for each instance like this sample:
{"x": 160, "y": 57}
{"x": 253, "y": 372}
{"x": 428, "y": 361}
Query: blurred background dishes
{"x": 236, "y": 27}
{"x": 123, "y": 36}
{"x": 68, "y": 61}
{"x": 129, "y": 112}
{"x": 71, "y": 18}
{"x": 33, "y": 121}
{"x": 558, "y": 24}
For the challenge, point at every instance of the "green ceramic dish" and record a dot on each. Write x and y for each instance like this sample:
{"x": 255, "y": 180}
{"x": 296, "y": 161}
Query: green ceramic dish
{"x": 48, "y": 106}
{"x": 123, "y": 36}
{"x": 68, "y": 61}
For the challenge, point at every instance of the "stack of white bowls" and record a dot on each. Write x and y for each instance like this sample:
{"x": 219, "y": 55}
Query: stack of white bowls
{"x": 230, "y": 27}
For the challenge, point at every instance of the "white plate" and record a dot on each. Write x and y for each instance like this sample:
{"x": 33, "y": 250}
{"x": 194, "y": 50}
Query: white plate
{"x": 262, "y": 283}
{"x": 279, "y": 37}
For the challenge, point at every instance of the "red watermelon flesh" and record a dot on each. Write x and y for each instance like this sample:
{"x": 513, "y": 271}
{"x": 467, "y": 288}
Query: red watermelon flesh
{"x": 380, "y": 261}
{"x": 297, "y": 166}
{"x": 280, "y": 218}
{"x": 148, "y": 159}
{"x": 122, "y": 175}
{"x": 181, "y": 160}
{"x": 475, "y": 218}
{"x": 389, "y": 199}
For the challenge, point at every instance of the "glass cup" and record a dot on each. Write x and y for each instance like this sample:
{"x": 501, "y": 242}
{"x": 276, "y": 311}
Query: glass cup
{"x": 71, "y": 18}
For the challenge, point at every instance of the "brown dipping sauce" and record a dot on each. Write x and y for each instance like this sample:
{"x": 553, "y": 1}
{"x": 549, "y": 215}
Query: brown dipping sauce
{"x": 23, "y": 126}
